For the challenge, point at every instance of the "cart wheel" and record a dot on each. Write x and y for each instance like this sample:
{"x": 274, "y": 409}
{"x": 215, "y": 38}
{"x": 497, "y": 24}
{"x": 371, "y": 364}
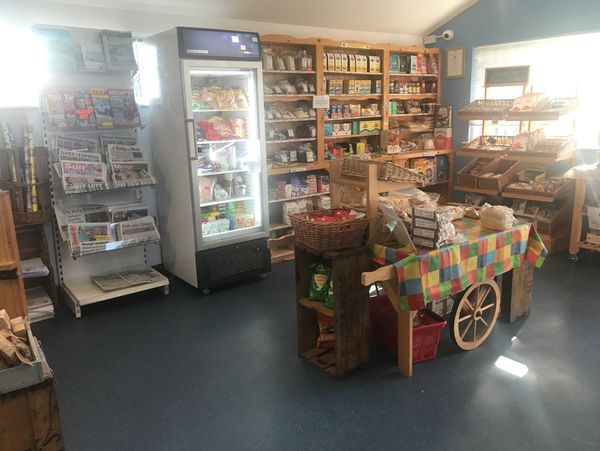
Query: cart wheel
{"x": 574, "y": 258}
{"x": 474, "y": 316}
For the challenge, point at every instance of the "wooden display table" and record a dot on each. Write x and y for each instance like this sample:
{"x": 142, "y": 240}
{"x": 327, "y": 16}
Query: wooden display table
{"x": 467, "y": 270}
{"x": 29, "y": 418}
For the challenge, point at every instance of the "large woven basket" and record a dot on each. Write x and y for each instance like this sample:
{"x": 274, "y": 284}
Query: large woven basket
{"x": 327, "y": 237}
{"x": 386, "y": 171}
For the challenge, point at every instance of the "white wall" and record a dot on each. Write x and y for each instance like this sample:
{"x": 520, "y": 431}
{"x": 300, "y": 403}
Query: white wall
{"x": 27, "y": 12}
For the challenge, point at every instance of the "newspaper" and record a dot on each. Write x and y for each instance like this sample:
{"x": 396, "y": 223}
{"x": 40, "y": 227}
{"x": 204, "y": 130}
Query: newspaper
{"x": 126, "y": 279}
{"x": 123, "y": 139}
{"x": 138, "y": 230}
{"x": 126, "y": 212}
{"x": 78, "y": 155}
{"x": 82, "y": 176}
{"x": 118, "y": 153}
{"x": 131, "y": 173}
{"x": 79, "y": 215}
{"x": 89, "y": 238}
{"x": 76, "y": 142}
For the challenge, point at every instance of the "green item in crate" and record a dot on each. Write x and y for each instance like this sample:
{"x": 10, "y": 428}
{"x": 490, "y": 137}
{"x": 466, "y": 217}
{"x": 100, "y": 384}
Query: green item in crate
{"x": 319, "y": 281}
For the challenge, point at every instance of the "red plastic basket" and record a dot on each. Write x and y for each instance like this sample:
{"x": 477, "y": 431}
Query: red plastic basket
{"x": 426, "y": 338}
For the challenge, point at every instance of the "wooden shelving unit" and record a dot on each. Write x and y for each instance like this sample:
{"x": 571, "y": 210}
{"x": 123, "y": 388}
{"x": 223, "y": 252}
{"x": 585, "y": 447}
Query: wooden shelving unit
{"x": 318, "y": 49}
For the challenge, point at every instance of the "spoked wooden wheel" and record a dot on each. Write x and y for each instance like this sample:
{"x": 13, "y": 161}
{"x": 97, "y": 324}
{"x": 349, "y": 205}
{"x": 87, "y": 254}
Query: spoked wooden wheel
{"x": 474, "y": 315}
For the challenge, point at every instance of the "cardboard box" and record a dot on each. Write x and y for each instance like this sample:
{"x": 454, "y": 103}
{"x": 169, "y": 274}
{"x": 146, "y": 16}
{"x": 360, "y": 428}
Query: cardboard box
{"x": 442, "y": 138}
{"x": 4, "y": 320}
{"x": 369, "y": 126}
{"x": 427, "y": 167}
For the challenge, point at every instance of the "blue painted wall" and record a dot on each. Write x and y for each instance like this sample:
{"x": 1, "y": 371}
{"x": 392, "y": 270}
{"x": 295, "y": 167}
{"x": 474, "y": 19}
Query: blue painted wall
{"x": 500, "y": 21}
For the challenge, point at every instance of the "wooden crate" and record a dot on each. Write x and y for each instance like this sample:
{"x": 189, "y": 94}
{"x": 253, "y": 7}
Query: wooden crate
{"x": 465, "y": 179}
{"x": 507, "y": 170}
{"x": 30, "y": 419}
{"x": 350, "y": 311}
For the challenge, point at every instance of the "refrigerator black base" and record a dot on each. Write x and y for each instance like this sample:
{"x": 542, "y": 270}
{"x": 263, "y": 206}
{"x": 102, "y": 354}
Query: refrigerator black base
{"x": 223, "y": 265}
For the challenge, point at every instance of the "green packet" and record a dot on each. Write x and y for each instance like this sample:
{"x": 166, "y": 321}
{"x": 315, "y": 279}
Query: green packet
{"x": 320, "y": 277}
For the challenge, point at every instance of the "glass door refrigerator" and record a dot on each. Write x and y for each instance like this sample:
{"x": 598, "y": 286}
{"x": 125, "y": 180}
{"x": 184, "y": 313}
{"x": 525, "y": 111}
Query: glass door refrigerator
{"x": 207, "y": 129}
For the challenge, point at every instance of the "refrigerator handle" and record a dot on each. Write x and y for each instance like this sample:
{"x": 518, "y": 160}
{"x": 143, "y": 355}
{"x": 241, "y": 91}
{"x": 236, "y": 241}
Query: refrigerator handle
{"x": 192, "y": 140}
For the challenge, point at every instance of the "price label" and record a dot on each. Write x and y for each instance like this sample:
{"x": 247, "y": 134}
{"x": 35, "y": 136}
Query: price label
{"x": 321, "y": 101}
{"x": 297, "y": 170}
{"x": 431, "y": 153}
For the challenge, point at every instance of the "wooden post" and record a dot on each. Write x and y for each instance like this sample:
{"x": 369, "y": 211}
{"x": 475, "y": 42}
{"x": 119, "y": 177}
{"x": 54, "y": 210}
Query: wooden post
{"x": 578, "y": 203}
{"x": 516, "y": 292}
{"x": 372, "y": 198}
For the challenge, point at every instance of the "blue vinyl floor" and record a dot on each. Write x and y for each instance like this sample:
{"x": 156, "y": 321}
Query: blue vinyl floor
{"x": 220, "y": 372}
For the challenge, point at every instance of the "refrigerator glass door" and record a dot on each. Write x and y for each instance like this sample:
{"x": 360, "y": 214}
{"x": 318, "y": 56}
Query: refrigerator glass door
{"x": 228, "y": 161}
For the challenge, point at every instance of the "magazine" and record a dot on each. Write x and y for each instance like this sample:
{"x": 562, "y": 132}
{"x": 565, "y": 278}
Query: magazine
{"x": 118, "y": 49}
{"x": 131, "y": 173}
{"x": 69, "y": 108}
{"x": 78, "y": 155}
{"x": 123, "y": 107}
{"x": 93, "y": 56}
{"x": 127, "y": 212}
{"x": 102, "y": 107}
{"x": 125, "y": 140}
{"x": 81, "y": 176}
{"x": 54, "y": 109}
{"x": 118, "y": 153}
{"x": 126, "y": 279}
{"x": 58, "y": 47}
{"x": 141, "y": 230}
{"x": 79, "y": 107}
{"x": 89, "y": 238}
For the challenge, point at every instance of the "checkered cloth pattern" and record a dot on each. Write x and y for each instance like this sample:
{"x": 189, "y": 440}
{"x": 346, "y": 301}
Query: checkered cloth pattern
{"x": 436, "y": 274}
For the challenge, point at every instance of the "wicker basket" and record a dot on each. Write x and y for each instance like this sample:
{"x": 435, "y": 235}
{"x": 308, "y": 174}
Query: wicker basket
{"x": 327, "y": 237}
{"x": 386, "y": 171}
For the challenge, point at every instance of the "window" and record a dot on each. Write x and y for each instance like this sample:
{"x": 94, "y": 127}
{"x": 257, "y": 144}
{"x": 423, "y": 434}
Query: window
{"x": 561, "y": 67}
{"x": 23, "y": 70}
{"x": 145, "y": 81}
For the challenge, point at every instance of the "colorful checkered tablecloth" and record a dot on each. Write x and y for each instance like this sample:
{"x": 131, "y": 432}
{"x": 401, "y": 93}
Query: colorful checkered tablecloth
{"x": 436, "y": 274}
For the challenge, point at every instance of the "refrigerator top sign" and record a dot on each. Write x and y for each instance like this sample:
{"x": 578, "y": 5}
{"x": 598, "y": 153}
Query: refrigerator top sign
{"x": 202, "y": 43}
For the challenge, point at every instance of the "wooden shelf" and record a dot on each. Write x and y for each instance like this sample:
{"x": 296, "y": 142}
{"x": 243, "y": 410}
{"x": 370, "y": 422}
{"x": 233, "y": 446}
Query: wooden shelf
{"x": 345, "y": 72}
{"x": 282, "y": 255}
{"x": 274, "y": 71}
{"x": 85, "y": 292}
{"x": 393, "y": 74}
{"x": 10, "y": 265}
{"x": 413, "y": 154}
{"x": 393, "y": 116}
{"x": 278, "y": 226}
{"x": 468, "y": 189}
{"x": 294, "y": 140}
{"x": 286, "y": 97}
{"x": 316, "y": 306}
{"x": 355, "y": 118}
{"x": 413, "y": 96}
{"x": 305, "y": 196}
{"x": 299, "y": 167}
{"x": 342, "y": 137}
{"x": 353, "y": 96}
{"x": 533, "y": 196}
{"x": 533, "y": 116}
{"x": 278, "y": 121}
{"x": 529, "y": 157}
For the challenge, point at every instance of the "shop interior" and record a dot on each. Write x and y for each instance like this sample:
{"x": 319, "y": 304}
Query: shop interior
{"x": 305, "y": 226}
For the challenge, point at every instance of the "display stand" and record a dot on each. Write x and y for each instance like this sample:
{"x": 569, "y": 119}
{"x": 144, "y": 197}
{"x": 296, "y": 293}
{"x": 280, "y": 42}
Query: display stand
{"x": 320, "y": 75}
{"x": 554, "y": 233}
{"x": 74, "y": 273}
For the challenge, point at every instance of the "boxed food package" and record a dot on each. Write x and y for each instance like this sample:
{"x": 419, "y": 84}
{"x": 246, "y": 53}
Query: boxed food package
{"x": 323, "y": 183}
{"x": 432, "y": 228}
{"x": 377, "y": 86}
{"x": 323, "y": 203}
{"x": 425, "y": 166}
{"x": 351, "y": 63}
{"x": 337, "y": 62}
{"x": 394, "y": 63}
{"x": 413, "y": 64}
{"x": 350, "y": 86}
{"x": 330, "y": 61}
{"x": 311, "y": 181}
{"x": 442, "y": 168}
{"x": 344, "y": 62}
{"x": 442, "y": 138}
{"x": 404, "y": 62}
{"x": 290, "y": 208}
{"x": 369, "y": 127}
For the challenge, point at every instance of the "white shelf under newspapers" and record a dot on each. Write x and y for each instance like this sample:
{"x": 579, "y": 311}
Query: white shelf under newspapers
{"x": 84, "y": 292}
